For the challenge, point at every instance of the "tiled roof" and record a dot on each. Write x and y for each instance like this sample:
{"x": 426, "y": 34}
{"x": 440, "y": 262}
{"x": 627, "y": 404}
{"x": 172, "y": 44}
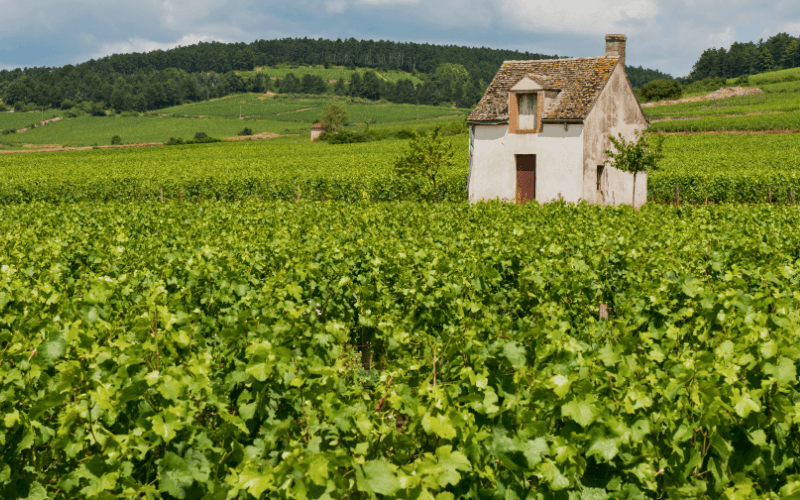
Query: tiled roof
{"x": 581, "y": 81}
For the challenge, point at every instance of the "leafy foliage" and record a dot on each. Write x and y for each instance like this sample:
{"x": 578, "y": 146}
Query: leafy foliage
{"x": 658, "y": 90}
{"x": 276, "y": 170}
{"x": 641, "y": 154}
{"x": 428, "y": 155}
{"x": 728, "y": 168}
{"x": 334, "y": 117}
{"x": 205, "y": 351}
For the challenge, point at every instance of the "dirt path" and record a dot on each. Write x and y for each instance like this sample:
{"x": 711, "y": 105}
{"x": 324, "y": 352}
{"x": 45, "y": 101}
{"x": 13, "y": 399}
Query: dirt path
{"x": 717, "y": 94}
{"x": 293, "y": 111}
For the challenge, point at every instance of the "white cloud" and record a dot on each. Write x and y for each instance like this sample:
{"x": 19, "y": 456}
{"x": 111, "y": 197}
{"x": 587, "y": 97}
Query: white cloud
{"x": 724, "y": 39}
{"x": 583, "y": 17}
{"x": 336, "y": 6}
{"x": 667, "y": 35}
{"x": 142, "y": 45}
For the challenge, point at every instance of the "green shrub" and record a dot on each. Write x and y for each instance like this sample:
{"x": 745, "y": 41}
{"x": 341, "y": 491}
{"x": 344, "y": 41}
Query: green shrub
{"x": 743, "y": 80}
{"x": 3, "y": 109}
{"x": 203, "y": 140}
{"x": 200, "y": 135}
{"x": 73, "y": 113}
{"x": 9, "y": 131}
{"x": 116, "y": 140}
{"x": 67, "y": 104}
{"x": 659, "y": 90}
{"x": 707, "y": 85}
{"x": 406, "y": 133}
{"x": 246, "y": 131}
{"x": 98, "y": 110}
{"x": 345, "y": 137}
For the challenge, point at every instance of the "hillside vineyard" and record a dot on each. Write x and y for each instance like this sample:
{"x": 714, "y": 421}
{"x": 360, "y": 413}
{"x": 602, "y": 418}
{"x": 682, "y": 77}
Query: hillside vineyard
{"x": 405, "y": 350}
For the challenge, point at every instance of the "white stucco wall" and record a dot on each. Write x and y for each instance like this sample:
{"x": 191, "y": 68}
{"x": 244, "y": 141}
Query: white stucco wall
{"x": 616, "y": 111}
{"x": 559, "y": 162}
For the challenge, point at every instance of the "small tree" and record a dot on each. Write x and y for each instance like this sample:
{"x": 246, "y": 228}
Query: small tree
{"x": 335, "y": 116}
{"x": 657, "y": 90}
{"x": 427, "y": 156}
{"x": 639, "y": 155}
{"x": 116, "y": 140}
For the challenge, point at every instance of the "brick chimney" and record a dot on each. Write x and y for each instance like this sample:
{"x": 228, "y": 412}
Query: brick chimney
{"x": 615, "y": 46}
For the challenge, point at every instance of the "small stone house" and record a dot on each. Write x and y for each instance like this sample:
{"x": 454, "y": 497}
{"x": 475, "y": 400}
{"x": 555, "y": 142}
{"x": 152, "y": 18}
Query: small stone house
{"x": 540, "y": 130}
{"x": 316, "y": 130}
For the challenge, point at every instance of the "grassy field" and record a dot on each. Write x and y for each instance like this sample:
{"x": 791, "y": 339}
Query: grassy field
{"x": 220, "y": 118}
{"x": 778, "y": 108}
{"x": 769, "y": 77}
{"x": 20, "y": 120}
{"x": 307, "y": 109}
{"x": 92, "y": 130}
{"x": 332, "y": 73}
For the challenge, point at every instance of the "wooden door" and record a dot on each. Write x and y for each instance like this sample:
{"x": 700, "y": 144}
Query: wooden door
{"x": 526, "y": 178}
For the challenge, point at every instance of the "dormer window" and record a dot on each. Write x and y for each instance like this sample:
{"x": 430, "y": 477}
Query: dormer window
{"x": 531, "y": 98}
{"x": 527, "y": 111}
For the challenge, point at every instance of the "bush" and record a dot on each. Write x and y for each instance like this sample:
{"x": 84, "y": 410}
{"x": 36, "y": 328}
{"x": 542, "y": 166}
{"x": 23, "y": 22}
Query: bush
{"x": 97, "y": 110}
{"x": 3, "y": 109}
{"x": 67, "y": 104}
{"x": 73, "y": 113}
{"x": 743, "y": 80}
{"x": 345, "y": 137}
{"x": 116, "y": 140}
{"x": 406, "y": 133}
{"x": 200, "y": 135}
{"x": 203, "y": 140}
{"x": 9, "y": 131}
{"x": 707, "y": 85}
{"x": 246, "y": 131}
{"x": 659, "y": 90}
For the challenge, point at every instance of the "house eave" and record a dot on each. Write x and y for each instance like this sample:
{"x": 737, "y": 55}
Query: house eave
{"x": 559, "y": 121}
{"x": 485, "y": 122}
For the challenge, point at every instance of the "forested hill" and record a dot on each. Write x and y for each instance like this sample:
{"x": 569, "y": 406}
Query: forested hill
{"x": 480, "y": 63}
{"x": 781, "y": 51}
{"x": 146, "y": 81}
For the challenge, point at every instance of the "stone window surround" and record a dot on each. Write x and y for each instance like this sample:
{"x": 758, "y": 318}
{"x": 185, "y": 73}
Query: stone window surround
{"x": 513, "y": 112}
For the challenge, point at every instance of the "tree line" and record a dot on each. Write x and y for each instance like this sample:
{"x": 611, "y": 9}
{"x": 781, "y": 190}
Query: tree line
{"x": 207, "y": 70}
{"x": 157, "y": 89}
{"x": 781, "y": 51}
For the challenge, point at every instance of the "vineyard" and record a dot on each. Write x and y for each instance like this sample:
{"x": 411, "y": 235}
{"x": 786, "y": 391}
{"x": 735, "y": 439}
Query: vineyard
{"x": 279, "y": 114}
{"x": 307, "y": 109}
{"x": 331, "y": 73}
{"x": 759, "y": 122}
{"x": 728, "y": 168}
{"x": 275, "y": 170}
{"x": 408, "y": 351}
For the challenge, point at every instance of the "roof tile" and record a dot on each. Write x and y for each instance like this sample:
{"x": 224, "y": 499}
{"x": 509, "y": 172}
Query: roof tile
{"x": 581, "y": 81}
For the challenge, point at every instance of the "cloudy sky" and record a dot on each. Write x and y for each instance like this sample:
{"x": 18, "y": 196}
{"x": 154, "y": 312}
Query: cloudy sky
{"x": 668, "y": 35}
